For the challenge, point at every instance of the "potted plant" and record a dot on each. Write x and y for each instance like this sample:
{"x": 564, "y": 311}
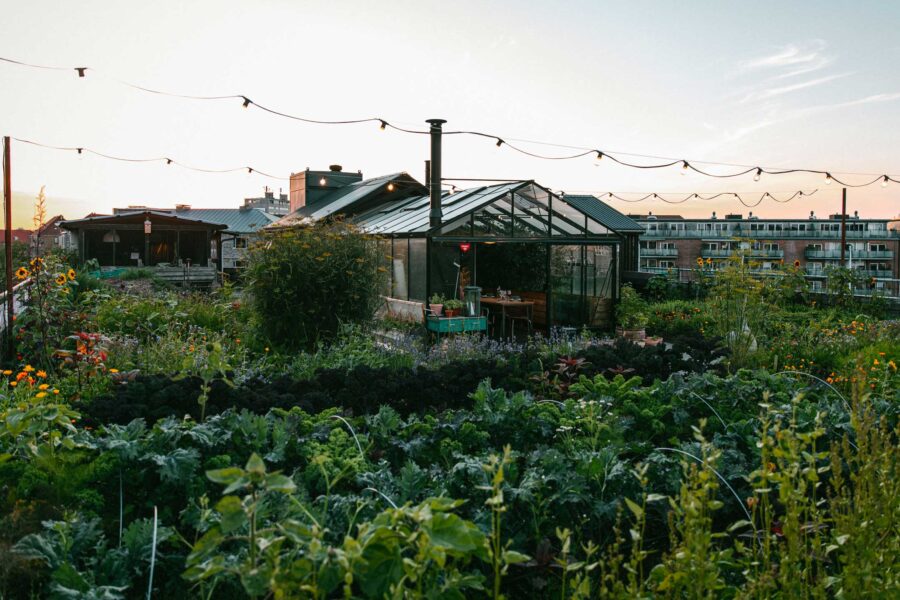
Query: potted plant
{"x": 436, "y": 304}
{"x": 452, "y": 307}
{"x": 631, "y": 315}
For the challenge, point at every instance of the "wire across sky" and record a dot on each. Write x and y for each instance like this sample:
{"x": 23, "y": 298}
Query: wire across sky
{"x": 581, "y": 152}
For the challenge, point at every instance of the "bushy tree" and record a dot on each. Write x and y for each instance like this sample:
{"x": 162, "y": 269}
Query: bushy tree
{"x": 306, "y": 281}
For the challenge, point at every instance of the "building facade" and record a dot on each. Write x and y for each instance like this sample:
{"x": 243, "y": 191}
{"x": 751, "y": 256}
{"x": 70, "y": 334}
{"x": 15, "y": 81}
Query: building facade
{"x": 277, "y": 206}
{"x": 672, "y": 242}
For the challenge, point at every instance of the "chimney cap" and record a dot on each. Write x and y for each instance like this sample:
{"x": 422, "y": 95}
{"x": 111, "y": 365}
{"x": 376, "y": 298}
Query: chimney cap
{"x": 335, "y": 168}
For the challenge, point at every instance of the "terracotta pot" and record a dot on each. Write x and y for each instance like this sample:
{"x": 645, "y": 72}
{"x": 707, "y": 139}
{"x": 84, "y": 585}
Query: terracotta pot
{"x": 436, "y": 309}
{"x": 452, "y": 312}
{"x": 635, "y": 335}
{"x": 653, "y": 341}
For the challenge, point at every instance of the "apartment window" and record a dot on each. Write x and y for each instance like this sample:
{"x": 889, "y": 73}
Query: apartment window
{"x": 240, "y": 242}
{"x": 667, "y": 264}
{"x": 877, "y": 247}
{"x": 814, "y": 247}
{"x": 667, "y": 245}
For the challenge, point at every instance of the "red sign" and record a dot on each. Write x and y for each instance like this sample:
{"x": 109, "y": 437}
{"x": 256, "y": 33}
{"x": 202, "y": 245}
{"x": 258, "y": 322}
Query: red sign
{"x": 464, "y": 247}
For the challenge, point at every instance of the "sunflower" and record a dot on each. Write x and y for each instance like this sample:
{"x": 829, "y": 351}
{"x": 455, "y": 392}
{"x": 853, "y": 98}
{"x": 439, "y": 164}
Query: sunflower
{"x": 60, "y": 279}
{"x": 22, "y": 273}
{"x": 37, "y": 263}
{"x": 71, "y": 274}
{"x": 699, "y": 261}
{"x": 796, "y": 264}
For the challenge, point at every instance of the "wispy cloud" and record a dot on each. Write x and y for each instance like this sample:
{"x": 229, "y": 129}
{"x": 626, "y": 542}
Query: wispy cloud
{"x": 775, "y": 117}
{"x": 771, "y": 92}
{"x": 792, "y": 59}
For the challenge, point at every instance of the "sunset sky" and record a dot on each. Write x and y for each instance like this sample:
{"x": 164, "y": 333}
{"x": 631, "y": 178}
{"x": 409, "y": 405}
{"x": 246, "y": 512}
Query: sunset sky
{"x": 778, "y": 84}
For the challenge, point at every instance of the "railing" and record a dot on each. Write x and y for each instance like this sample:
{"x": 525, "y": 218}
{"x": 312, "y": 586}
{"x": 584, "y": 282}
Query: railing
{"x": 753, "y": 253}
{"x": 653, "y": 252}
{"x": 885, "y": 286}
{"x": 760, "y": 234}
{"x": 855, "y": 254}
{"x": 18, "y": 302}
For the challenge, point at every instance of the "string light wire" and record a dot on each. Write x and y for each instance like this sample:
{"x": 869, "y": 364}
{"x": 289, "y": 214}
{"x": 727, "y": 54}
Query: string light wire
{"x": 505, "y": 141}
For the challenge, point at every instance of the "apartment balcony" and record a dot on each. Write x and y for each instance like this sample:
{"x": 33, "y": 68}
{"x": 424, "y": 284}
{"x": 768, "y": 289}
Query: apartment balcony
{"x": 760, "y": 234}
{"x": 854, "y": 254}
{"x": 658, "y": 252}
{"x": 752, "y": 253}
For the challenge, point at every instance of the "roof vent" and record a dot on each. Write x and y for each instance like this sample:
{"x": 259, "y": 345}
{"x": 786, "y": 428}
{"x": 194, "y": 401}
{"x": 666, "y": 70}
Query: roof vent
{"x": 182, "y": 207}
{"x": 335, "y": 168}
{"x": 714, "y": 215}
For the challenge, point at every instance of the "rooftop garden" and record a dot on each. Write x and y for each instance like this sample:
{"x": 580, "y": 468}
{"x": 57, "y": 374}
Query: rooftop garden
{"x": 274, "y": 439}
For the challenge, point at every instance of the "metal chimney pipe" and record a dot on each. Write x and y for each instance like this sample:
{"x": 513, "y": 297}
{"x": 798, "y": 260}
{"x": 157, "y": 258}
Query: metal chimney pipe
{"x": 435, "y": 216}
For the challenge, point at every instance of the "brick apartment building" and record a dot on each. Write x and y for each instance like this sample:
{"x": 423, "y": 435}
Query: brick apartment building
{"x": 673, "y": 242}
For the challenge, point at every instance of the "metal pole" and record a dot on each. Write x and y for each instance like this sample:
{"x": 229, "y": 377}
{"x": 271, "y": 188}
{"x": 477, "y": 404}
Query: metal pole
{"x": 435, "y": 216}
{"x": 7, "y": 201}
{"x": 843, "y": 225}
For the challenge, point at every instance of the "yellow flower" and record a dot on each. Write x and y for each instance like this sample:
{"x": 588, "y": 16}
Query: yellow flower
{"x": 875, "y": 362}
{"x": 113, "y": 370}
{"x": 699, "y": 261}
{"x": 43, "y": 386}
{"x": 60, "y": 279}
{"x": 7, "y": 372}
{"x": 42, "y": 374}
{"x": 41, "y": 394}
{"x": 22, "y": 273}
{"x": 55, "y": 391}
{"x": 892, "y": 365}
{"x": 13, "y": 383}
{"x": 71, "y": 274}
{"x": 28, "y": 369}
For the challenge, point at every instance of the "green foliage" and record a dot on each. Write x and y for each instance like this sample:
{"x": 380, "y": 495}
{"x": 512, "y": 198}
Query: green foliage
{"x": 631, "y": 310}
{"x": 306, "y": 281}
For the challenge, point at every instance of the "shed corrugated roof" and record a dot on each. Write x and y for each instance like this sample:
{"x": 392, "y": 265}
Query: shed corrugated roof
{"x": 238, "y": 220}
{"x": 131, "y": 216}
{"x": 603, "y": 213}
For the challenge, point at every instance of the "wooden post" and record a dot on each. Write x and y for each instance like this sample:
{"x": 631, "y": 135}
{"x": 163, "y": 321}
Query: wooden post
{"x": 843, "y": 225}
{"x": 7, "y": 201}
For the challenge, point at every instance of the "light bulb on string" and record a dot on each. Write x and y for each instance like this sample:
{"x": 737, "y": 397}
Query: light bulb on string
{"x": 884, "y": 181}
{"x": 598, "y": 158}
{"x": 382, "y": 125}
{"x": 499, "y": 142}
{"x": 828, "y": 178}
{"x": 390, "y": 186}
{"x": 684, "y": 167}
{"x": 323, "y": 181}
{"x": 758, "y": 174}
{"x": 247, "y": 102}
{"x": 249, "y": 171}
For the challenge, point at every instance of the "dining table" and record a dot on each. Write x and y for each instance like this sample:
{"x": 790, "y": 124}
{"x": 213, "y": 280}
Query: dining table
{"x": 505, "y": 304}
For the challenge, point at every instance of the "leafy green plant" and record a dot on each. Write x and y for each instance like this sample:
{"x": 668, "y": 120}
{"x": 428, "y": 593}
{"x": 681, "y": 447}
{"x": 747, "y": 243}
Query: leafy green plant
{"x": 631, "y": 310}
{"x": 321, "y": 275}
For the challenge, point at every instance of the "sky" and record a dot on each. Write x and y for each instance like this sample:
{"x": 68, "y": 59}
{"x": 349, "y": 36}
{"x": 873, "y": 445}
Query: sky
{"x": 778, "y": 84}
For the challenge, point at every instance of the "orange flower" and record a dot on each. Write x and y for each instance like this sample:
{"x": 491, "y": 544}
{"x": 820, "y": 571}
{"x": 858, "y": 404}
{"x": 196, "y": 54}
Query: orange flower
{"x": 13, "y": 383}
{"x": 40, "y": 394}
{"x": 55, "y": 391}
{"x": 43, "y": 386}
{"x": 28, "y": 369}
{"x": 42, "y": 374}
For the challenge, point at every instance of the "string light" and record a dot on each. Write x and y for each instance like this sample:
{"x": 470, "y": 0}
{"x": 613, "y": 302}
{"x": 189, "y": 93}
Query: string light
{"x": 828, "y": 178}
{"x": 323, "y": 181}
{"x": 884, "y": 181}
{"x": 684, "y": 167}
{"x": 390, "y": 186}
{"x": 757, "y": 175}
{"x": 383, "y": 124}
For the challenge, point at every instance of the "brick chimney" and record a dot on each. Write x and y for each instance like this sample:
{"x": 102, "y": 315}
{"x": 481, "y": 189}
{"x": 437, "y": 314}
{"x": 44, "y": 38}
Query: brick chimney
{"x": 308, "y": 187}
